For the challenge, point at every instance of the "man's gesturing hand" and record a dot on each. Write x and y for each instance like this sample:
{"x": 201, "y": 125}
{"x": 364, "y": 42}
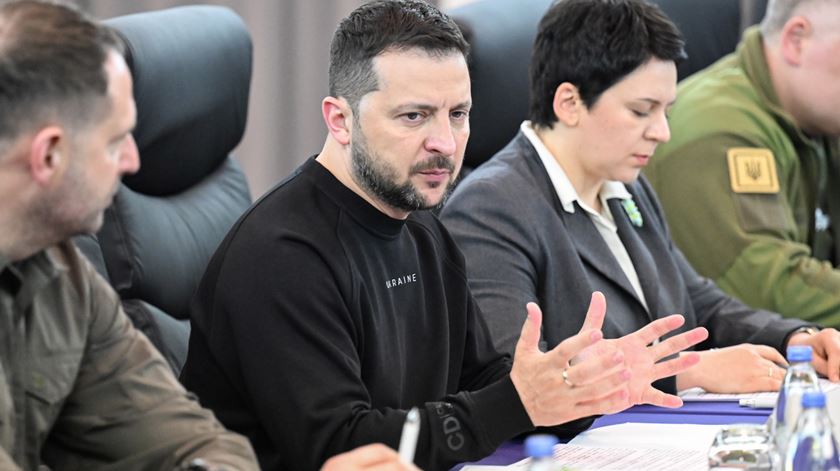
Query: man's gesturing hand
{"x": 554, "y": 392}
{"x": 643, "y": 359}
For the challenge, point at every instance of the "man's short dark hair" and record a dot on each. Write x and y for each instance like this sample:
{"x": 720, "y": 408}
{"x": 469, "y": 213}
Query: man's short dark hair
{"x": 593, "y": 44}
{"x": 381, "y": 26}
{"x": 52, "y": 66}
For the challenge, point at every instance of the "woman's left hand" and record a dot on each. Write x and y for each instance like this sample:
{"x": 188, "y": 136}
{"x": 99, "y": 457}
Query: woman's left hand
{"x": 743, "y": 368}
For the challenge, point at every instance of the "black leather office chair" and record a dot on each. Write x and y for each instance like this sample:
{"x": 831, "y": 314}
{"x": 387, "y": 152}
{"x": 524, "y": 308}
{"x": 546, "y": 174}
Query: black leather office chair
{"x": 501, "y": 34}
{"x": 712, "y": 28}
{"x": 192, "y": 70}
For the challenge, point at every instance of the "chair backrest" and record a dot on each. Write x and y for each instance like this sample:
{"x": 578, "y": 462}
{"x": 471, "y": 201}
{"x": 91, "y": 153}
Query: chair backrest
{"x": 192, "y": 71}
{"x": 501, "y": 34}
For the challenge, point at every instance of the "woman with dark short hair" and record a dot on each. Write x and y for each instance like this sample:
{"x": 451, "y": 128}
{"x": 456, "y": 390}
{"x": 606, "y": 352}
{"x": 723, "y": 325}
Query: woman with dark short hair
{"x": 562, "y": 210}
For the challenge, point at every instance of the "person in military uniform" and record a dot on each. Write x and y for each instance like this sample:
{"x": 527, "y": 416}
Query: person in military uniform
{"x": 750, "y": 180}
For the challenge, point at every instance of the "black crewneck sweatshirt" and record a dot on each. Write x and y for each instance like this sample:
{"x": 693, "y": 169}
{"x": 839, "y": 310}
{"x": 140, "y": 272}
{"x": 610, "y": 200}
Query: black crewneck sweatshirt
{"x": 320, "y": 321}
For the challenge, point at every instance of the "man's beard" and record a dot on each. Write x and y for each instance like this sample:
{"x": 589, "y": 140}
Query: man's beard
{"x": 73, "y": 208}
{"x": 379, "y": 178}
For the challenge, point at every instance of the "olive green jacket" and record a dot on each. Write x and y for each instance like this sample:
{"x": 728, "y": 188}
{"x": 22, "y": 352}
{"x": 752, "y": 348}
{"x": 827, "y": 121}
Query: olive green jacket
{"x": 760, "y": 247}
{"x": 80, "y": 388}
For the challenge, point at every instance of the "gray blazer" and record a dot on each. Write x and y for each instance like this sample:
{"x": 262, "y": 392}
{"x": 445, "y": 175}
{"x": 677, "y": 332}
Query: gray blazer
{"x": 521, "y": 246}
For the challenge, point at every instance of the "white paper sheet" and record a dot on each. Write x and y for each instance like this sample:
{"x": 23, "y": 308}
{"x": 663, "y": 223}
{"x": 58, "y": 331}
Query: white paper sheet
{"x": 587, "y": 458}
{"x": 658, "y": 447}
{"x": 650, "y": 436}
{"x": 699, "y": 395}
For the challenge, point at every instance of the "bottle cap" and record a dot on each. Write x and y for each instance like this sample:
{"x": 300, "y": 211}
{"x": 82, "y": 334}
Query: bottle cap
{"x": 811, "y": 399}
{"x": 540, "y": 446}
{"x": 799, "y": 353}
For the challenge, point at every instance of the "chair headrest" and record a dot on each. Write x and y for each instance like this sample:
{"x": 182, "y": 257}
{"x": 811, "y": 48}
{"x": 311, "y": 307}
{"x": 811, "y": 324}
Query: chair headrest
{"x": 192, "y": 72}
{"x": 711, "y": 30}
{"x": 501, "y": 35}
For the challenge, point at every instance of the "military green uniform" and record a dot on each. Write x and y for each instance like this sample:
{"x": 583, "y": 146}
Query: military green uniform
{"x": 80, "y": 388}
{"x": 749, "y": 197}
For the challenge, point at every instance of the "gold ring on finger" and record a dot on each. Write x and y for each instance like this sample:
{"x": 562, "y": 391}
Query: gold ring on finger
{"x": 566, "y": 378}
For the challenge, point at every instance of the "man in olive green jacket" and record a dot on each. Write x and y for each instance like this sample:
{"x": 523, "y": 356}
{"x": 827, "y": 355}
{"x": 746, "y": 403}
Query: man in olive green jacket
{"x": 750, "y": 180}
{"x": 80, "y": 388}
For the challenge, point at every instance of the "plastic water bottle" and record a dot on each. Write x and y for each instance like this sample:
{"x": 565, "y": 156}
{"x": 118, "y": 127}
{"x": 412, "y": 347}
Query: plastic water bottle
{"x": 800, "y": 378}
{"x": 541, "y": 450}
{"x": 812, "y": 446}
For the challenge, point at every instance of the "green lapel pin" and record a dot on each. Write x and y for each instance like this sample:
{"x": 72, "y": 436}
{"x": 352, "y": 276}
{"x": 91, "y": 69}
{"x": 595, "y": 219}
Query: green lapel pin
{"x": 632, "y": 212}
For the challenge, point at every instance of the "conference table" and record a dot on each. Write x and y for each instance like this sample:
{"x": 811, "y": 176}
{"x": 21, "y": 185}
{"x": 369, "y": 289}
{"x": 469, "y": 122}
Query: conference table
{"x": 709, "y": 413}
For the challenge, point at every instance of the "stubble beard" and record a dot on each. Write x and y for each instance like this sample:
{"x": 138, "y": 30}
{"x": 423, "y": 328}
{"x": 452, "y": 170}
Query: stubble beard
{"x": 375, "y": 175}
{"x": 70, "y": 209}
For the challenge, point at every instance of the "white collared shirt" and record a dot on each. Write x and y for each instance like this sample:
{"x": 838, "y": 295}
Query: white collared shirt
{"x": 603, "y": 220}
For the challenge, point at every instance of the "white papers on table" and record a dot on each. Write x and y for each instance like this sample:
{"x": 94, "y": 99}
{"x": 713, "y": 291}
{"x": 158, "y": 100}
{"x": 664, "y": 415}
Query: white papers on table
{"x": 650, "y": 436}
{"x": 699, "y": 395}
{"x": 660, "y": 447}
{"x": 587, "y": 458}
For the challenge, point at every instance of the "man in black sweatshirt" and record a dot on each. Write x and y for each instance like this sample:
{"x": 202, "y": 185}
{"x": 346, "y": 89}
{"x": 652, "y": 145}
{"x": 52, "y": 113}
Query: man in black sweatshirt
{"x": 336, "y": 304}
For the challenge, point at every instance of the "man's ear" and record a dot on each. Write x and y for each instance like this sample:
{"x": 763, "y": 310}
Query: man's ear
{"x": 567, "y": 104}
{"x": 338, "y": 117}
{"x": 792, "y": 38}
{"x": 46, "y": 154}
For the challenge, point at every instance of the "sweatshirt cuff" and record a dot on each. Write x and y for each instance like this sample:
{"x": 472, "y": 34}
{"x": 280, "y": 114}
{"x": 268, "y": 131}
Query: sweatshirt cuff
{"x": 501, "y": 412}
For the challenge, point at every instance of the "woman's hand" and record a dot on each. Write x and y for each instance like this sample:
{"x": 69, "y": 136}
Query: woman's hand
{"x": 743, "y": 368}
